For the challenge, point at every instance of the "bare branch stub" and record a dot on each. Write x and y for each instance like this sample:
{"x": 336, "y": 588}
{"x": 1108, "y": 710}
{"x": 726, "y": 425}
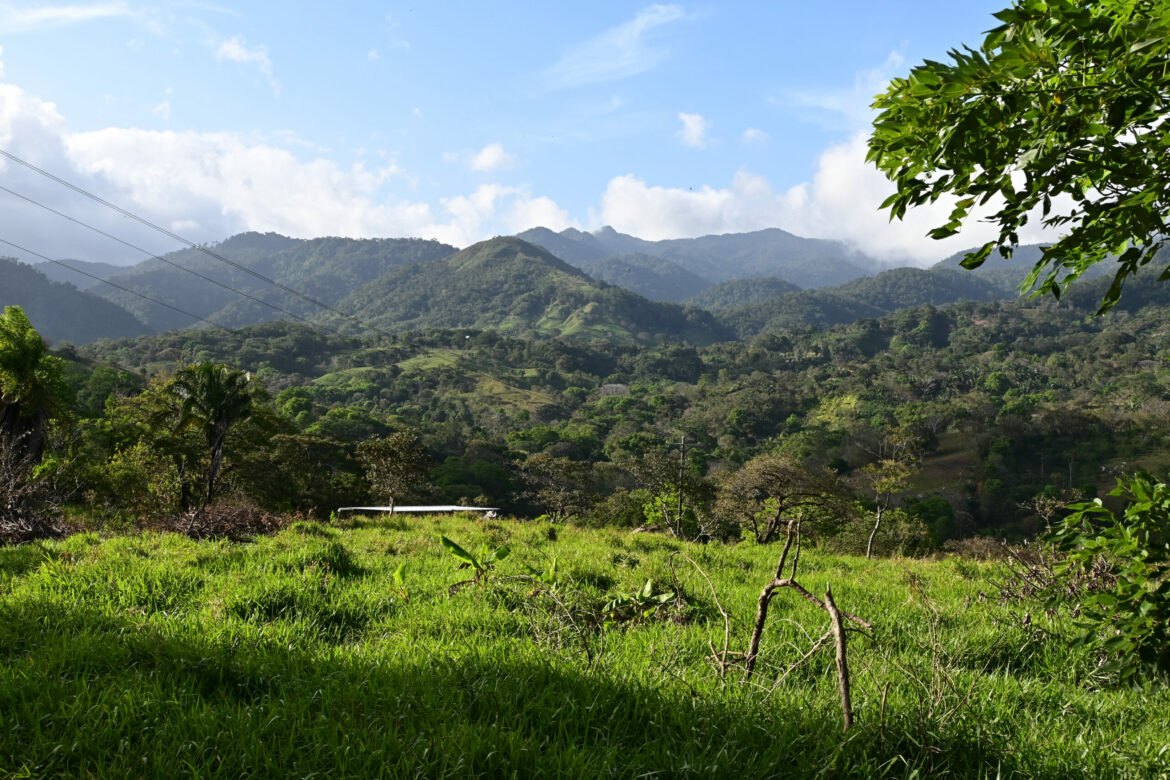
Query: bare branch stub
{"x": 837, "y": 618}
{"x": 842, "y": 660}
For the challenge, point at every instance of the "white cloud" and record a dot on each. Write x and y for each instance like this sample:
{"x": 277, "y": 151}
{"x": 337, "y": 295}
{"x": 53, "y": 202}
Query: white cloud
{"x": 527, "y": 212}
{"x": 653, "y": 212}
{"x": 492, "y": 158}
{"x": 841, "y": 202}
{"x": 372, "y": 55}
{"x": 162, "y": 110}
{"x": 235, "y": 49}
{"x": 753, "y": 135}
{"x": 13, "y": 19}
{"x": 617, "y": 53}
{"x": 694, "y": 130}
{"x": 207, "y": 186}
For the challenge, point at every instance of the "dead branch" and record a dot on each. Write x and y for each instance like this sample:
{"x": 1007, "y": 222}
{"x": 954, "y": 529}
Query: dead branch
{"x": 842, "y": 660}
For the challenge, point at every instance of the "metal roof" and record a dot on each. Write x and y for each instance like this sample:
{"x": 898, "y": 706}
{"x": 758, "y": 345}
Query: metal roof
{"x": 415, "y": 509}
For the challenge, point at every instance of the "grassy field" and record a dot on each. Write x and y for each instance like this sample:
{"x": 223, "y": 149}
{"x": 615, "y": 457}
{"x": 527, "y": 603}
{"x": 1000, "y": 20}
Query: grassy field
{"x": 301, "y": 655}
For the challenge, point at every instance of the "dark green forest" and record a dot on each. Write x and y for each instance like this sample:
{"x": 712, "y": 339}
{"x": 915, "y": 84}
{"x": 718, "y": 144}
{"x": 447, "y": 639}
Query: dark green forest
{"x": 983, "y": 407}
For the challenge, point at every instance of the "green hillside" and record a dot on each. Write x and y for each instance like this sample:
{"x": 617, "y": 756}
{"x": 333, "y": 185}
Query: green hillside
{"x": 872, "y": 296}
{"x": 737, "y": 292}
{"x": 650, "y": 277}
{"x": 81, "y": 281}
{"x": 302, "y": 654}
{"x": 519, "y": 288}
{"x": 61, "y": 312}
{"x": 325, "y": 268}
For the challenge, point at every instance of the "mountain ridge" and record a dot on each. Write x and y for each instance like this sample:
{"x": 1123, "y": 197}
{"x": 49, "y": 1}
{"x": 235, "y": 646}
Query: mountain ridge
{"x": 518, "y": 287}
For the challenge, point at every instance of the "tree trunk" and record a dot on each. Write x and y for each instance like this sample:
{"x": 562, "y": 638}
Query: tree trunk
{"x": 877, "y": 524}
{"x": 758, "y": 629}
{"x": 184, "y": 486}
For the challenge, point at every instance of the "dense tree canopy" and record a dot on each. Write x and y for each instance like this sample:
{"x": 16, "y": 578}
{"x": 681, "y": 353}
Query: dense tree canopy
{"x": 32, "y": 383}
{"x": 1059, "y": 111}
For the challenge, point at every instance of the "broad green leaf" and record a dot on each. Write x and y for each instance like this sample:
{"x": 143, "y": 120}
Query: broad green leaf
{"x": 460, "y": 553}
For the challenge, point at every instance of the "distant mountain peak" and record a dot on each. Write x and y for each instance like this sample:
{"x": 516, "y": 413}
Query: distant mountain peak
{"x": 506, "y": 249}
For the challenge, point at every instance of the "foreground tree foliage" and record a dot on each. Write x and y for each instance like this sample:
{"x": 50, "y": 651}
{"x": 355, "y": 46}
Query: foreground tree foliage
{"x": 1061, "y": 109}
{"x": 1128, "y": 617}
{"x": 32, "y": 385}
{"x": 32, "y": 390}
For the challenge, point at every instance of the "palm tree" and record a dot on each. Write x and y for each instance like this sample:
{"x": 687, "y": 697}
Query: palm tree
{"x": 32, "y": 386}
{"x": 214, "y": 398}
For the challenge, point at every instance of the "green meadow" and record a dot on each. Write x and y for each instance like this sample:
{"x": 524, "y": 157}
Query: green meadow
{"x": 343, "y": 651}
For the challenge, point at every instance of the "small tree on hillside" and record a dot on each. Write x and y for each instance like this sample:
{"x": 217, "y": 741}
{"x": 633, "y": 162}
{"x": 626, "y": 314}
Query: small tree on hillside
{"x": 679, "y": 492}
{"x": 397, "y": 465}
{"x": 899, "y": 456}
{"x": 559, "y": 485}
{"x": 771, "y": 490}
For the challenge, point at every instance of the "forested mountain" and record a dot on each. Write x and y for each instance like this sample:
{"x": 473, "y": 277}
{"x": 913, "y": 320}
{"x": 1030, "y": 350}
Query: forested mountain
{"x": 650, "y": 277}
{"x": 325, "y": 268}
{"x": 806, "y": 262}
{"x": 520, "y": 288}
{"x": 1009, "y": 274}
{"x": 387, "y": 281}
{"x": 59, "y": 311}
{"x": 56, "y": 273}
{"x": 737, "y": 292}
{"x": 571, "y": 245}
{"x": 872, "y": 296}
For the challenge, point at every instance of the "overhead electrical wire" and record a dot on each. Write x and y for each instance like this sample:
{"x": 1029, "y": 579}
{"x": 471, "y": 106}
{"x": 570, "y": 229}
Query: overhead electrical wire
{"x": 199, "y": 247}
{"x": 112, "y": 284}
{"x": 148, "y": 253}
{"x": 143, "y": 221}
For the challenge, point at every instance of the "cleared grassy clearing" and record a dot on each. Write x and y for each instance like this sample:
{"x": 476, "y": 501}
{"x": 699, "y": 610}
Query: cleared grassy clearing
{"x": 298, "y": 655}
{"x": 434, "y": 358}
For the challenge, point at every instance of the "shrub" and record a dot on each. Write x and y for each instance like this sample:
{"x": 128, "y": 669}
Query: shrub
{"x": 1128, "y": 622}
{"x": 236, "y": 521}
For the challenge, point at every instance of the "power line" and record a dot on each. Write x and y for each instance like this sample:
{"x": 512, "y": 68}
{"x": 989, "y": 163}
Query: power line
{"x": 148, "y": 253}
{"x": 112, "y": 284}
{"x": 189, "y": 243}
{"x": 143, "y": 221}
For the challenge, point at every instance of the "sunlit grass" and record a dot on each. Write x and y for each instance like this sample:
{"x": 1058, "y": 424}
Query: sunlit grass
{"x": 300, "y": 655}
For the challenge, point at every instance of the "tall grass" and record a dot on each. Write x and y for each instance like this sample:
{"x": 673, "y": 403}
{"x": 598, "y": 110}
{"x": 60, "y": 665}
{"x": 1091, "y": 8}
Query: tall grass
{"x": 299, "y": 655}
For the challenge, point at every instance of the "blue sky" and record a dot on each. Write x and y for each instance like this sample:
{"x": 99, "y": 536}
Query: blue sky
{"x": 460, "y": 120}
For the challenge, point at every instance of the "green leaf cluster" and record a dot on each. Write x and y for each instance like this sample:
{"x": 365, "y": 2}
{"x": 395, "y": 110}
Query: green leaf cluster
{"x": 1057, "y": 115}
{"x": 1128, "y": 620}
